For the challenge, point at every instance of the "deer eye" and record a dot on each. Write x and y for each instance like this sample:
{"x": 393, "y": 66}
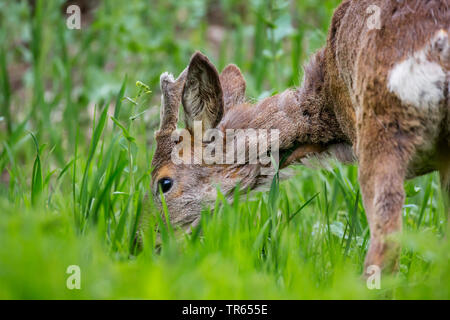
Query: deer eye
{"x": 165, "y": 184}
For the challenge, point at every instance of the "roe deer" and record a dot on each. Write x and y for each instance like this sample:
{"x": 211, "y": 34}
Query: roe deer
{"x": 379, "y": 96}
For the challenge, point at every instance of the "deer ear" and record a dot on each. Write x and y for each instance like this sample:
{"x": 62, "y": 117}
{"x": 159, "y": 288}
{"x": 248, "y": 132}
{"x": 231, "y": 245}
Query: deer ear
{"x": 233, "y": 86}
{"x": 202, "y": 94}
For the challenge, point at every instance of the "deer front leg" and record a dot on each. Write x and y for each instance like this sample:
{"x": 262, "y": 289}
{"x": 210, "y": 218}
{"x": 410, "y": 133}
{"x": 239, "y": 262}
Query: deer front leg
{"x": 381, "y": 174}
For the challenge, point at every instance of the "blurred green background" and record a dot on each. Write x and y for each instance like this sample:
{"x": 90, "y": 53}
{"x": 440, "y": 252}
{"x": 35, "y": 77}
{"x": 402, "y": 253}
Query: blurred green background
{"x": 74, "y": 184}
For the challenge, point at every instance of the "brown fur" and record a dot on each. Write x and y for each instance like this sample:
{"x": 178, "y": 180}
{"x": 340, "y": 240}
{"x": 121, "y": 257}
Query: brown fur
{"x": 345, "y": 101}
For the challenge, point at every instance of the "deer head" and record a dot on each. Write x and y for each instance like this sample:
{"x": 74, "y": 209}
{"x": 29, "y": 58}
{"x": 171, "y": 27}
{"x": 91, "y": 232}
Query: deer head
{"x": 205, "y": 96}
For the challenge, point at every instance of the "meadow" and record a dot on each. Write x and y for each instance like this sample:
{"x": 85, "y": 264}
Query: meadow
{"x": 78, "y": 112}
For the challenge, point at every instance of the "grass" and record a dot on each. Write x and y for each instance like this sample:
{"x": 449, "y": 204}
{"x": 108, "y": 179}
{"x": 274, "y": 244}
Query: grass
{"x": 76, "y": 142}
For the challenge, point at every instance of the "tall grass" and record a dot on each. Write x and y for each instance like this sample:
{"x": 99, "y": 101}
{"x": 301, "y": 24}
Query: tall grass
{"x": 77, "y": 143}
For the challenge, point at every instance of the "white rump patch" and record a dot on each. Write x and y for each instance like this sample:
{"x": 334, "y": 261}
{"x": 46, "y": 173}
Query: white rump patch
{"x": 418, "y": 81}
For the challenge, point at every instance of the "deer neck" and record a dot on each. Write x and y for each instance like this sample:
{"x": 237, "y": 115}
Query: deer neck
{"x": 303, "y": 117}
